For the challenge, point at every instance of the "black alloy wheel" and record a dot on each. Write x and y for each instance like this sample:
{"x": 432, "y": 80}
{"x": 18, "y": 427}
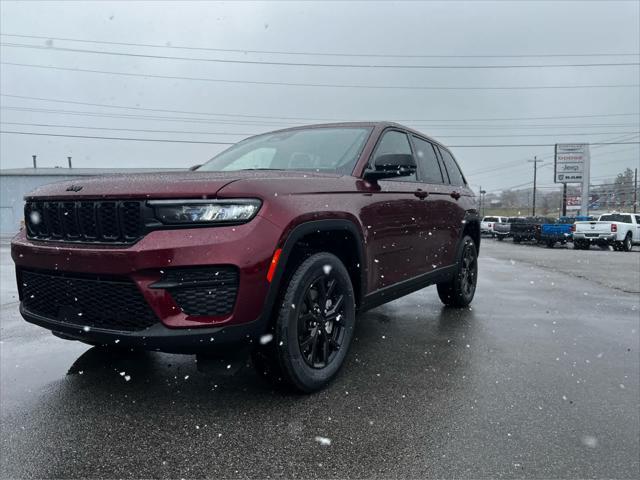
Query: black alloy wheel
{"x": 320, "y": 331}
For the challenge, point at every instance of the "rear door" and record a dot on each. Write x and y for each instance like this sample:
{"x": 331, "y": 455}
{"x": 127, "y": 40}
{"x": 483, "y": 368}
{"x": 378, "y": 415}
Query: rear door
{"x": 434, "y": 239}
{"x": 636, "y": 233}
{"x": 452, "y": 216}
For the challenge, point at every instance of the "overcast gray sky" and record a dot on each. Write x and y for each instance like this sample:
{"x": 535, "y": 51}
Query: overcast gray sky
{"x": 447, "y": 30}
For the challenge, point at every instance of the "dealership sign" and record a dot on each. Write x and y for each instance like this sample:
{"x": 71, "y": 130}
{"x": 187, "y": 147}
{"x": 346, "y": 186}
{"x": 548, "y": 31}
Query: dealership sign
{"x": 571, "y": 160}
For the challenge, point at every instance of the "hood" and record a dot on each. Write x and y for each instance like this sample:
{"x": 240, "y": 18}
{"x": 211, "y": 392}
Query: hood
{"x": 158, "y": 185}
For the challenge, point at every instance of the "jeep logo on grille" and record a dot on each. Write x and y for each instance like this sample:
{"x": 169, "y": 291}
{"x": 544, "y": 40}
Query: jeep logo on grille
{"x": 74, "y": 188}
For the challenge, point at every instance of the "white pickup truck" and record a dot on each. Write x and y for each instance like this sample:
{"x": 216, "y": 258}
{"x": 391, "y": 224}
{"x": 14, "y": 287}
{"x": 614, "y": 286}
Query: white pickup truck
{"x": 621, "y": 230}
{"x": 487, "y": 224}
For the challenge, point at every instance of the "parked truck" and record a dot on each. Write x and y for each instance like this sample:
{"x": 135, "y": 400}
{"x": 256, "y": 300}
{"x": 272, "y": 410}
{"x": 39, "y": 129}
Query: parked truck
{"x": 619, "y": 230}
{"x": 559, "y": 231}
{"x": 502, "y": 230}
{"x": 528, "y": 229}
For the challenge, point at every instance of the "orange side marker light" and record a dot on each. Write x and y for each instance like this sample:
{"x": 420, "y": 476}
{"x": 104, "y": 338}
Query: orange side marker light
{"x": 274, "y": 264}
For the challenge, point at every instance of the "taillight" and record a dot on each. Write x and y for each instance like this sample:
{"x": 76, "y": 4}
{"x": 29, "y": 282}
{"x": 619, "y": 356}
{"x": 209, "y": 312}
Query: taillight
{"x": 573, "y": 228}
{"x": 491, "y": 225}
{"x": 614, "y": 227}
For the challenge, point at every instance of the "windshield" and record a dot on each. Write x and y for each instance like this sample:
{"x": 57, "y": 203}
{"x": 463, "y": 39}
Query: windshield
{"x": 332, "y": 150}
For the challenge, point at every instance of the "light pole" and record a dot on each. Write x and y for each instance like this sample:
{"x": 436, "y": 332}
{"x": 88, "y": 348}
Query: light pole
{"x": 482, "y": 200}
{"x": 535, "y": 179}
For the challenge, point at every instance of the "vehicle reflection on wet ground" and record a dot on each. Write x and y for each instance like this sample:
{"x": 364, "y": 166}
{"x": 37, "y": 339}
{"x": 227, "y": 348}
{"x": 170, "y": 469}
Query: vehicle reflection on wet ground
{"x": 539, "y": 378}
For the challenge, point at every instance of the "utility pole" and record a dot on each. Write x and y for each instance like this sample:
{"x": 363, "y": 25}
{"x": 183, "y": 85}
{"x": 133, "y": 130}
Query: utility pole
{"x": 535, "y": 179}
{"x": 69, "y": 159}
{"x": 564, "y": 199}
{"x": 34, "y": 161}
{"x": 635, "y": 191}
{"x": 482, "y": 200}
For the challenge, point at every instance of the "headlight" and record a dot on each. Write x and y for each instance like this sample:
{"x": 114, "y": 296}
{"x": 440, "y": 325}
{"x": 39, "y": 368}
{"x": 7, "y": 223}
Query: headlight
{"x": 175, "y": 212}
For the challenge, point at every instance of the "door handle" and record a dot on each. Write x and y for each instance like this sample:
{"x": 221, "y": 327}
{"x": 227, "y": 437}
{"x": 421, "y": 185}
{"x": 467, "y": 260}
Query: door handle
{"x": 455, "y": 195}
{"x": 421, "y": 194}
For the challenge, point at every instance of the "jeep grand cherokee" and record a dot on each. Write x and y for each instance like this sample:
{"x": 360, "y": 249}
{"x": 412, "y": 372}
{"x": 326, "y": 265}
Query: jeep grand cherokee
{"x": 274, "y": 244}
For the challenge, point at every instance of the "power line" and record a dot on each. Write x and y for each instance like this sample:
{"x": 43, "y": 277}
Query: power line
{"x": 254, "y": 133}
{"x": 231, "y": 143}
{"x": 84, "y": 127}
{"x": 116, "y": 138}
{"x": 317, "y": 65}
{"x": 328, "y": 54}
{"x": 250, "y": 122}
{"x": 519, "y": 163}
{"x": 190, "y": 112}
{"x": 319, "y": 85}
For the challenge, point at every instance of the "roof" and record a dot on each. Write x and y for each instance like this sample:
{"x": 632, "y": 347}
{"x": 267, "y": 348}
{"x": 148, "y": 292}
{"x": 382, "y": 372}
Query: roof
{"x": 84, "y": 172}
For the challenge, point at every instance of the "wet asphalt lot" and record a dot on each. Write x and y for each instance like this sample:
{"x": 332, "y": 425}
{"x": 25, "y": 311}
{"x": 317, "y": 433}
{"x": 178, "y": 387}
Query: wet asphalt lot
{"x": 539, "y": 379}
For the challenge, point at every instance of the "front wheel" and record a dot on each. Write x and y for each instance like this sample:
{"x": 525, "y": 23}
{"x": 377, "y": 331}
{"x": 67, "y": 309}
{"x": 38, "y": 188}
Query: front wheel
{"x": 459, "y": 291}
{"x": 313, "y": 329}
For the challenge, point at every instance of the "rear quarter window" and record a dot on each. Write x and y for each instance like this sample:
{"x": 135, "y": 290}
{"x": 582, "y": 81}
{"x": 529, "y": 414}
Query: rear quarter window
{"x": 616, "y": 217}
{"x": 455, "y": 175}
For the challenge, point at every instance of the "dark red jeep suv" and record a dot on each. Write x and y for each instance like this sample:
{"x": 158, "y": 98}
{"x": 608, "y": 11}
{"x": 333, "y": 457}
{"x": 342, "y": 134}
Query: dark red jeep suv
{"x": 274, "y": 244}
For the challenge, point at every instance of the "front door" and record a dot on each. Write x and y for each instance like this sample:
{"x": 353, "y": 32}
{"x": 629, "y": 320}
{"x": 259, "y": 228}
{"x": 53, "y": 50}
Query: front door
{"x": 394, "y": 221}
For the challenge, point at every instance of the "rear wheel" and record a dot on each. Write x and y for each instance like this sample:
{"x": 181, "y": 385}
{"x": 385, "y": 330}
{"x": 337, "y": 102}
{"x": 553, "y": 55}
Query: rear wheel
{"x": 500, "y": 238}
{"x": 313, "y": 328}
{"x": 626, "y": 245}
{"x": 459, "y": 291}
{"x": 580, "y": 245}
{"x": 550, "y": 243}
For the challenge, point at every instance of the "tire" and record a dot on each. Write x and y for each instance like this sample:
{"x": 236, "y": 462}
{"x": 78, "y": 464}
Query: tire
{"x": 517, "y": 239}
{"x": 500, "y": 238}
{"x": 550, "y": 244}
{"x": 460, "y": 290}
{"x": 627, "y": 243}
{"x": 580, "y": 245}
{"x": 310, "y": 341}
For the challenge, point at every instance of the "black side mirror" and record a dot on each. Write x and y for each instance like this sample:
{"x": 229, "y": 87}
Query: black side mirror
{"x": 390, "y": 166}
{"x": 194, "y": 167}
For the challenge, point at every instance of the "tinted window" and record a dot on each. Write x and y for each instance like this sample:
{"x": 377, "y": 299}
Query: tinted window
{"x": 490, "y": 219}
{"x": 395, "y": 142}
{"x": 455, "y": 176}
{"x": 615, "y": 217}
{"x": 638, "y": 219}
{"x": 427, "y": 162}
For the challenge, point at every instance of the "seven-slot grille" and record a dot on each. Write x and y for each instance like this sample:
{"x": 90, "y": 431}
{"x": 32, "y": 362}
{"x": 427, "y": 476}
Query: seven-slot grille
{"x": 93, "y": 221}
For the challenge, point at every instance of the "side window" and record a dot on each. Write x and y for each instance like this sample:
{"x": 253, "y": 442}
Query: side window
{"x": 395, "y": 142}
{"x": 638, "y": 219}
{"x": 455, "y": 175}
{"x": 427, "y": 162}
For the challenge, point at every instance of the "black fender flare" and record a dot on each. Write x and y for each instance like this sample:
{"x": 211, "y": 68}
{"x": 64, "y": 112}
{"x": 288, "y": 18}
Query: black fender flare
{"x": 298, "y": 232}
{"x": 470, "y": 216}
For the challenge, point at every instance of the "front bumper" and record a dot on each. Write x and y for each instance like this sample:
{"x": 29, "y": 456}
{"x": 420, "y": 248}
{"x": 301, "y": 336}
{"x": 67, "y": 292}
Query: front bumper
{"x": 247, "y": 248}
{"x": 158, "y": 337}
